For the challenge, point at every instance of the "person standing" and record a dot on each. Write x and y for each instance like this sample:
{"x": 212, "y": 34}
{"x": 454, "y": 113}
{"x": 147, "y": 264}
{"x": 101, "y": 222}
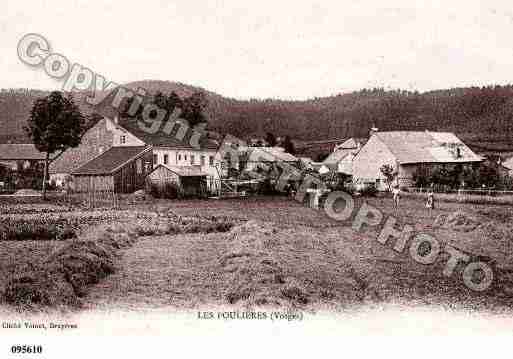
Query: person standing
{"x": 396, "y": 196}
{"x": 430, "y": 202}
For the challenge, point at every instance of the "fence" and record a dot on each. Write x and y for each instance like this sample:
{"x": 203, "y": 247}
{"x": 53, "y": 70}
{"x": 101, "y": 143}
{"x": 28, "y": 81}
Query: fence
{"x": 473, "y": 196}
{"x": 462, "y": 192}
{"x": 93, "y": 198}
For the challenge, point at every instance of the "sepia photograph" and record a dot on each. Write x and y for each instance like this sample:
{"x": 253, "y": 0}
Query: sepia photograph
{"x": 198, "y": 178}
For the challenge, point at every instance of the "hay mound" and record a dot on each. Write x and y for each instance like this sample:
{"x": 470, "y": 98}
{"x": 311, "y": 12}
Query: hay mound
{"x": 41, "y": 288}
{"x": 255, "y": 271}
{"x": 287, "y": 268}
{"x": 457, "y": 221}
{"x": 69, "y": 271}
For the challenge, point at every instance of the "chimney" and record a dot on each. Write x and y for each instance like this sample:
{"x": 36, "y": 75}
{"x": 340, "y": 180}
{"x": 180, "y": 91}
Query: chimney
{"x": 372, "y": 131}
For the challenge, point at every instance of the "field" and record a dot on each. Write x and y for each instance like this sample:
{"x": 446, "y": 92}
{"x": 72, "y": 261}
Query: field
{"x": 263, "y": 252}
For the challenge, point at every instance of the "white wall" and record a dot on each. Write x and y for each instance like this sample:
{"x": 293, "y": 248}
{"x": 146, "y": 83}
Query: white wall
{"x": 182, "y": 157}
{"x": 118, "y": 132}
{"x": 367, "y": 163}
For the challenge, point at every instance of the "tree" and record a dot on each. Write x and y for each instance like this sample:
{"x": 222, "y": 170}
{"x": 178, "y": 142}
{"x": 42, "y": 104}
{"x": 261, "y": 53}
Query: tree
{"x": 173, "y": 101}
{"x": 193, "y": 109}
{"x": 55, "y": 124}
{"x": 270, "y": 139}
{"x": 389, "y": 174}
{"x": 288, "y": 145}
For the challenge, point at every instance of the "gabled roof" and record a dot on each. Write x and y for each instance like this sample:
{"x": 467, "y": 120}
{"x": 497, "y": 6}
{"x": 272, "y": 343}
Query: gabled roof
{"x": 184, "y": 171}
{"x": 162, "y": 139}
{"x": 111, "y": 160}
{"x": 352, "y": 143}
{"x": 348, "y": 148}
{"x": 508, "y": 163}
{"x": 272, "y": 154}
{"x": 338, "y": 155}
{"x": 427, "y": 147}
{"x": 20, "y": 152}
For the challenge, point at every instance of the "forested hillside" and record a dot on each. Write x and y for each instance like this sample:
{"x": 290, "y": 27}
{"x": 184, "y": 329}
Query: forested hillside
{"x": 481, "y": 116}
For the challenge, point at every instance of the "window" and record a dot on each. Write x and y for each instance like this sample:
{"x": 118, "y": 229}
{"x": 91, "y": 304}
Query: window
{"x": 202, "y": 160}
{"x": 179, "y": 157}
{"x": 138, "y": 164}
{"x": 211, "y": 160}
{"x": 192, "y": 159}
{"x": 185, "y": 157}
{"x": 122, "y": 139}
{"x": 166, "y": 159}
{"x": 155, "y": 158}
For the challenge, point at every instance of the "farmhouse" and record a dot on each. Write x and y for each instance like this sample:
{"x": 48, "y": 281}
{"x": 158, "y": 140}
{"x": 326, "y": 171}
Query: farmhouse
{"x": 119, "y": 169}
{"x": 98, "y": 139}
{"x": 407, "y": 152}
{"x": 166, "y": 149}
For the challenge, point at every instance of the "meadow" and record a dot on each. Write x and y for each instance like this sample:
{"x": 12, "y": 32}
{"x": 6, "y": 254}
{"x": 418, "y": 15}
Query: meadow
{"x": 253, "y": 252}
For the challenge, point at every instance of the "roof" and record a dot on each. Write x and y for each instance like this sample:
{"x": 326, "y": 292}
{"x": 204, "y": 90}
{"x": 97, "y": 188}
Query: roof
{"x": 324, "y": 142}
{"x": 25, "y": 151}
{"x": 508, "y": 163}
{"x": 111, "y": 160}
{"x": 184, "y": 171}
{"x": 348, "y": 148}
{"x": 338, "y": 155}
{"x": 352, "y": 143}
{"x": 427, "y": 147}
{"x": 272, "y": 154}
{"x": 161, "y": 139}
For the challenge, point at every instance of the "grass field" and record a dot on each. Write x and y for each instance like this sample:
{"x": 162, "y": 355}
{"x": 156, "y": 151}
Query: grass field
{"x": 282, "y": 254}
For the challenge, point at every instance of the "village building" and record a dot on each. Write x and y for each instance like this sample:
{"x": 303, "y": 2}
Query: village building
{"x": 191, "y": 180}
{"x": 104, "y": 135}
{"x": 20, "y": 156}
{"x": 407, "y": 152}
{"x": 120, "y": 169}
{"x": 166, "y": 149}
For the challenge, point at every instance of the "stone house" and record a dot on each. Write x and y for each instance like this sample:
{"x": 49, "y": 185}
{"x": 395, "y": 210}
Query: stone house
{"x": 166, "y": 149}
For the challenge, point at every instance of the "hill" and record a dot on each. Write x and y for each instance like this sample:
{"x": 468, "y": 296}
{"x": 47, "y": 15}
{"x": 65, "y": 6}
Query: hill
{"x": 483, "y": 117}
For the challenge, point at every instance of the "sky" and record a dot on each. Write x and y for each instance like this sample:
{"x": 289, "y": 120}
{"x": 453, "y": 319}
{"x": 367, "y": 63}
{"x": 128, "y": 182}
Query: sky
{"x": 268, "y": 49}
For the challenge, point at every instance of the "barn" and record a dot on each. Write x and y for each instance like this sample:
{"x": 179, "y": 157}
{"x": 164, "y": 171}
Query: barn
{"x": 190, "y": 180}
{"x": 119, "y": 169}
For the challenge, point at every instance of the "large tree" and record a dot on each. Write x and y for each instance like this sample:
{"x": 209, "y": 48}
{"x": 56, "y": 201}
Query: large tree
{"x": 55, "y": 124}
